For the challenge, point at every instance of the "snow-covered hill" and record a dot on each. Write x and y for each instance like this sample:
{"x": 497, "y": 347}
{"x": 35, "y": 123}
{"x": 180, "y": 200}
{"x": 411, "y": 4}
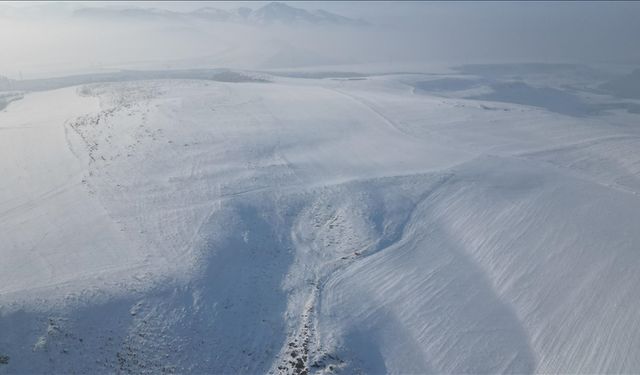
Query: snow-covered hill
{"x": 339, "y": 225}
{"x": 274, "y": 13}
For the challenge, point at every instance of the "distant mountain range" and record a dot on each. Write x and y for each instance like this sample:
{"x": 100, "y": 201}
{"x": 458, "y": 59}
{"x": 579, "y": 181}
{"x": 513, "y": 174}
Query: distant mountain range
{"x": 271, "y": 14}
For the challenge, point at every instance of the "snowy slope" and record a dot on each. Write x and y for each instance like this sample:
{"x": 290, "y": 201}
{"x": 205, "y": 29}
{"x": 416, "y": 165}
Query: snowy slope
{"x": 314, "y": 225}
{"x": 48, "y": 216}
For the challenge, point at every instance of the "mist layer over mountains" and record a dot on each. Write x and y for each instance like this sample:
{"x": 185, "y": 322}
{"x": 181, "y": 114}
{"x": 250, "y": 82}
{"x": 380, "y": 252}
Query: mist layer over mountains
{"x": 40, "y": 39}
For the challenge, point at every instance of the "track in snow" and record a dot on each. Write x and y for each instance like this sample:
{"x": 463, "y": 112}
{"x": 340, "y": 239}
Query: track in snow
{"x": 193, "y": 226}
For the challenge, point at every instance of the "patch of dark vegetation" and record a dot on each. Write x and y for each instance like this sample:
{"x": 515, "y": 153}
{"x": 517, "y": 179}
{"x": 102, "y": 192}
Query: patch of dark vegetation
{"x": 231, "y": 76}
{"x": 298, "y": 349}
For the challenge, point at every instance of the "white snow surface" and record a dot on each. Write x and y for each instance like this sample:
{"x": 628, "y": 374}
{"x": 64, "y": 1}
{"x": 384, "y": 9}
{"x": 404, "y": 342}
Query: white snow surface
{"x": 314, "y": 226}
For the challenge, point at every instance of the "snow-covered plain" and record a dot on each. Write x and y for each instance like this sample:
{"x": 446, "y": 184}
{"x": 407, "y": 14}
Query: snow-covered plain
{"x": 318, "y": 226}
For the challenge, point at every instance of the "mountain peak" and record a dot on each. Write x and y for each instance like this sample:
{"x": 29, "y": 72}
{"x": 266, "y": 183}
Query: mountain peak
{"x": 271, "y": 13}
{"x": 277, "y": 12}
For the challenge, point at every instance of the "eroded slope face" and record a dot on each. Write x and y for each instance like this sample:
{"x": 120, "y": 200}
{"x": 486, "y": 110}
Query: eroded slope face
{"x": 313, "y": 226}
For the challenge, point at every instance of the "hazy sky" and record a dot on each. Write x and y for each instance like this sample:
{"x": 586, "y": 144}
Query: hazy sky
{"x": 44, "y": 38}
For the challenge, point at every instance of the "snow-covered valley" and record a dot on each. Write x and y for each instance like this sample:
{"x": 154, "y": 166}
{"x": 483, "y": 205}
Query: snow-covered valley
{"x": 377, "y": 224}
